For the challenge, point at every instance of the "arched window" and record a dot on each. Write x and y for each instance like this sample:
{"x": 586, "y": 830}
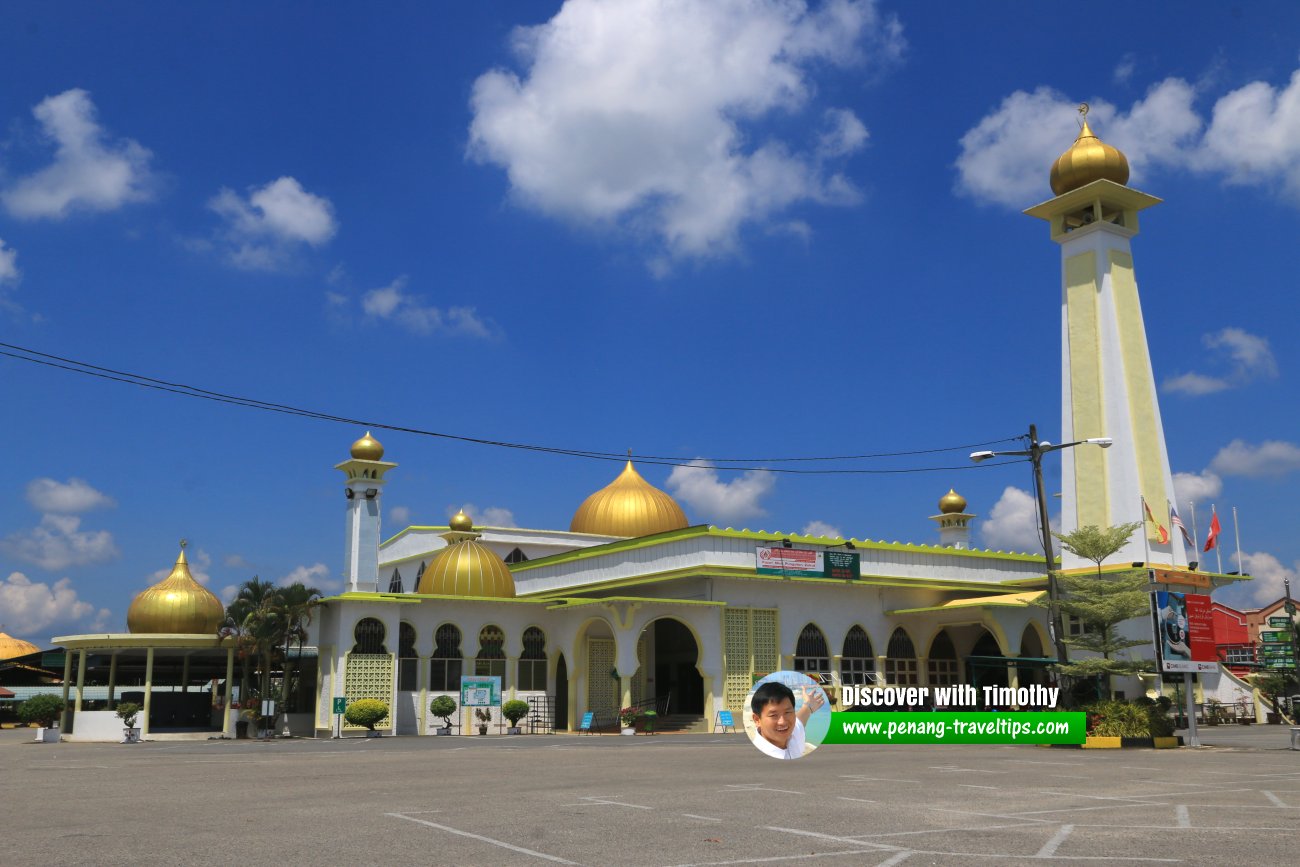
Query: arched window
{"x": 407, "y": 673}
{"x": 857, "y": 664}
{"x": 811, "y": 654}
{"x": 942, "y": 662}
{"x": 532, "y": 665}
{"x": 369, "y": 636}
{"x": 395, "y": 583}
{"x": 491, "y": 659}
{"x": 445, "y": 666}
{"x": 516, "y": 556}
{"x": 900, "y": 660}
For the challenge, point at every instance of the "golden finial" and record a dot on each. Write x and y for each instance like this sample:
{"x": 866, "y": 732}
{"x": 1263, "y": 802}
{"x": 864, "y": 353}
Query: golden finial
{"x": 184, "y": 542}
{"x": 1083, "y": 111}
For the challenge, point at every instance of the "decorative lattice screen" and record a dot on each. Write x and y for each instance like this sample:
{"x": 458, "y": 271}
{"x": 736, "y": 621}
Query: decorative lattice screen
{"x": 749, "y": 648}
{"x": 369, "y": 675}
{"x": 602, "y": 689}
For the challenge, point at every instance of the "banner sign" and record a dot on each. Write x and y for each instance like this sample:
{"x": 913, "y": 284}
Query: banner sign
{"x": 1274, "y": 637}
{"x": 480, "y": 691}
{"x": 803, "y": 563}
{"x": 1180, "y": 576}
{"x": 1184, "y": 628}
{"x": 1279, "y": 622}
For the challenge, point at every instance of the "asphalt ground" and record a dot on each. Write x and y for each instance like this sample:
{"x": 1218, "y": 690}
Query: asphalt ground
{"x": 670, "y": 800}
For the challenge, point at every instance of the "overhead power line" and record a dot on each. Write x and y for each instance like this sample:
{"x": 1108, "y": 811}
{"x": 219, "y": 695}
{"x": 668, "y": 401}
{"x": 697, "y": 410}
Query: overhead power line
{"x": 71, "y": 365}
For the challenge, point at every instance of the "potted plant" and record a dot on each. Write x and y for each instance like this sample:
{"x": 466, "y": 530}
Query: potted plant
{"x": 627, "y": 717}
{"x": 443, "y": 706}
{"x": 127, "y": 712}
{"x": 367, "y": 712}
{"x": 484, "y": 716}
{"x": 43, "y": 710}
{"x": 514, "y": 711}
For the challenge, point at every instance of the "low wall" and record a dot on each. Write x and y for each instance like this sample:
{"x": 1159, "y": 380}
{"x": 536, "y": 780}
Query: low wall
{"x": 98, "y": 726}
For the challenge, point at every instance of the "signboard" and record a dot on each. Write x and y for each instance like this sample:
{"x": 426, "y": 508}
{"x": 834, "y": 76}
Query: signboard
{"x": 1184, "y": 629}
{"x": 1279, "y": 622}
{"x": 1180, "y": 576}
{"x": 587, "y": 719}
{"x": 804, "y": 563}
{"x": 480, "y": 691}
{"x": 1278, "y": 637}
{"x": 340, "y": 704}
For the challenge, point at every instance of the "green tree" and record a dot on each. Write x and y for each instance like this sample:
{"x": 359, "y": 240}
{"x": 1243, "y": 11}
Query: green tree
{"x": 1272, "y": 684}
{"x": 297, "y": 605}
{"x": 42, "y": 709}
{"x": 1102, "y": 602}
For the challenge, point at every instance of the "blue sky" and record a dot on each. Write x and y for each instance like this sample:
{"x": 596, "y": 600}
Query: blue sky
{"x": 724, "y": 229}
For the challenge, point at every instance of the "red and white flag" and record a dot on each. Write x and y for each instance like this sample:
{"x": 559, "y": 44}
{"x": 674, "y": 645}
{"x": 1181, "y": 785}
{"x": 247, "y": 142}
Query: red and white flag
{"x": 1212, "y": 537}
{"x": 1162, "y": 535}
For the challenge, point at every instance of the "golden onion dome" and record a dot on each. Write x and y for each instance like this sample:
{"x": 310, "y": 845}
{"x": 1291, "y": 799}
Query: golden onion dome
{"x": 367, "y": 449}
{"x": 1088, "y": 159}
{"x": 467, "y": 568}
{"x": 461, "y": 522}
{"x": 628, "y": 506}
{"x": 952, "y": 502}
{"x": 11, "y": 647}
{"x": 176, "y": 605}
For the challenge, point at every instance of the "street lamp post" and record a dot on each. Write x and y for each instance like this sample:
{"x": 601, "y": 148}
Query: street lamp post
{"x": 1035, "y": 454}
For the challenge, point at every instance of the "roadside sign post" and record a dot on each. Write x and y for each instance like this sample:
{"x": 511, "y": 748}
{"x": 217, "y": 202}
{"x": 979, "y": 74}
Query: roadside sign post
{"x": 340, "y": 707}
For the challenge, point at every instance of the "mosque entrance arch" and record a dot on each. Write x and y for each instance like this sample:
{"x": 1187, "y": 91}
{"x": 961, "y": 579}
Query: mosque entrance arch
{"x": 669, "y": 670}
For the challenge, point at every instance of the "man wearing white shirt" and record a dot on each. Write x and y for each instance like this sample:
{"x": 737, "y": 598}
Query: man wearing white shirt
{"x": 780, "y": 729}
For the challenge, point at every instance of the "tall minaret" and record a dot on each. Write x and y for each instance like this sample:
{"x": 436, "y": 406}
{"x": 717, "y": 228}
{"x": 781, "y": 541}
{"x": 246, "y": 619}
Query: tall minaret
{"x": 1108, "y": 389}
{"x": 365, "y": 472}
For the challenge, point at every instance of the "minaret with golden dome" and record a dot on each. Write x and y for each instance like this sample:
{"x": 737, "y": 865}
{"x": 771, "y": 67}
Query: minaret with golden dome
{"x": 628, "y": 506}
{"x": 1108, "y": 388}
{"x": 365, "y": 483}
{"x": 953, "y": 521}
{"x": 467, "y": 567}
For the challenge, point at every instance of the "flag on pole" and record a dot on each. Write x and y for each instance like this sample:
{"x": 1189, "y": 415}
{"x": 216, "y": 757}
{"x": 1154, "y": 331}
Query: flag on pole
{"x": 1212, "y": 537}
{"x": 1162, "y": 535}
{"x": 1178, "y": 522}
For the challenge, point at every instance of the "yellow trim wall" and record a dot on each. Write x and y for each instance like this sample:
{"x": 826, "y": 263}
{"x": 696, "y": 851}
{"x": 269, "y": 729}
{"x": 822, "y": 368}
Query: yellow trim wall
{"x": 1086, "y": 395}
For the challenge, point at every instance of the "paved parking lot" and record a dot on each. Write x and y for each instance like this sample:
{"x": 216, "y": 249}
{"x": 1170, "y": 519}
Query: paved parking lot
{"x": 683, "y": 800}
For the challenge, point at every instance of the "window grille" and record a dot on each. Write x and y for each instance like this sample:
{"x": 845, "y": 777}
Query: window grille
{"x": 445, "y": 666}
{"x": 811, "y": 653}
{"x": 857, "y": 663}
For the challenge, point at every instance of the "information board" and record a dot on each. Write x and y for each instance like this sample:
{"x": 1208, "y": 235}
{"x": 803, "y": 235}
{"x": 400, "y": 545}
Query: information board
{"x": 806, "y": 563}
{"x": 846, "y": 565}
{"x": 1184, "y": 630}
{"x": 1279, "y": 622}
{"x": 480, "y": 691}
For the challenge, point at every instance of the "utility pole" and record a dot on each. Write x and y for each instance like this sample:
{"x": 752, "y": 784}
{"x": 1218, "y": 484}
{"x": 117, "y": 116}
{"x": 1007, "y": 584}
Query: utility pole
{"x": 1045, "y": 528}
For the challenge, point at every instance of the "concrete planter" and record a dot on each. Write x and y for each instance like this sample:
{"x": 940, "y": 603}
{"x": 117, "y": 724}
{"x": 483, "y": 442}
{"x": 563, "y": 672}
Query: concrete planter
{"x": 628, "y": 730}
{"x": 372, "y": 734}
{"x": 514, "y": 730}
{"x": 131, "y": 735}
{"x": 443, "y": 731}
{"x": 47, "y": 735}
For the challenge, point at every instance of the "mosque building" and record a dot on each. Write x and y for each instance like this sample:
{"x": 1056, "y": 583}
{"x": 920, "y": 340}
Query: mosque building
{"x": 634, "y": 606}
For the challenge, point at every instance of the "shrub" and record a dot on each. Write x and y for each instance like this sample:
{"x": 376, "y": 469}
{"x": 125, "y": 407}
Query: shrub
{"x": 41, "y": 709}
{"x": 366, "y": 712}
{"x": 443, "y": 707}
{"x": 126, "y": 711}
{"x": 1118, "y": 719}
{"x": 483, "y": 715}
{"x": 515, "y": 710}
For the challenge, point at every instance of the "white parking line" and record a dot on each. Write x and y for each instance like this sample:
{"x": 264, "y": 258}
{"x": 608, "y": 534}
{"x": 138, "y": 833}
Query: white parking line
{"x": 1050, "y": 847}
{"x": 971, "y": 786}
{"x": 1184, "y": 818}
{"x": 701, "y": 818}
{"x": 1277, "y": 802}
{"x": 785, "y": 858}
{"x": 756, "y": 787}
{"x": 504, "y": 845}
{"x": 591, "y": 800}
{"x": 849, "y": 841}
{"x": 859, "y": 800}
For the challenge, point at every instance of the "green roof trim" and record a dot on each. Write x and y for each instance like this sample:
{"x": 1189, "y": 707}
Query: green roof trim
{"x": 578, "y": 601}
{"x": 399, "y": 598}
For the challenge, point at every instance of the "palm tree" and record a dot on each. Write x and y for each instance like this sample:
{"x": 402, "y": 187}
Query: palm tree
{"x": 246, "y": 624}
{"x": 297, "y": 605}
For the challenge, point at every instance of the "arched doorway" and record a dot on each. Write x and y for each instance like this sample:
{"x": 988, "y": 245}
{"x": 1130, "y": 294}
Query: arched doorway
{"x": 941, "y": 665}
{"x": 986, "y": 666}
{"x": 668, "y": 652}
{"x": 561, "y": 694}
{"x": 1031, "y": 647}
{"x": 900, "y": 660}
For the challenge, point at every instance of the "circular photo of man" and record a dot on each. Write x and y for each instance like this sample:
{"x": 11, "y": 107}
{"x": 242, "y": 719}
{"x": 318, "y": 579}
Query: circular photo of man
{"x": 787, "y": 715}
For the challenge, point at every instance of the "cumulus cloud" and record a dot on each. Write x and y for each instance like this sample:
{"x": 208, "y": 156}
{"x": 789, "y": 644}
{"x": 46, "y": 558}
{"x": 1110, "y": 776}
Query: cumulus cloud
{"x": 1252, "y": 137}
{"x": 821, "y": 528}
{"x": 1124, "y": 69}
{"x": 1245, "y": 358}
{"x": 27, "y": 606}
{"x": 1269, "y": 458}
{"x": 262, "y": 230}
{"x": 58, "y": 542}
{"x": 400, "y": 515}
{"x": 392, "y": 303}
{"x": 1012, "y": 524}
{"x": 721, "y": 502}
{"x": 492, "y": 516}
{"x": 641, "y": 114}
{"x": 9, "y": 272}
{"x": 89, "y": 172}
{"x": 1267, "y": 574}
{"x": 229, "y": 592}
{"x": 236, "y": 561}
{"x": 66, "y": 498}
{"x": 316, "y": 575}
{"x": 1192, "y": 488}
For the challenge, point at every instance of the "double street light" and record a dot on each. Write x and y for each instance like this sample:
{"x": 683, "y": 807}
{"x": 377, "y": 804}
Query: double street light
{"x": 1038, "y": 448}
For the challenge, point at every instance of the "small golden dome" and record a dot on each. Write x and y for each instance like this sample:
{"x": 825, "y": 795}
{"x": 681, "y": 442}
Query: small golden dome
{"x": 367, "y": 449}
{"x": 628, "y": 506}
{"x": 1088, "y": 159}
{"x": 467, "y": 568}
{"x": 461, "y": 523}
{"x": 176, "y": 605}
{"x": 952, "y": 502}
{"x": 11, "y": 647}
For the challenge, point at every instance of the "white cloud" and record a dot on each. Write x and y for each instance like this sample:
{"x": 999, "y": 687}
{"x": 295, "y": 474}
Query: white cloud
{"x": 9, "y": 272}
{"x": 27, "y": 606}
{"x": 492, "y": 516}
{"x": 718, "y": 501}
{"x": 199, "y": 561}
{"x": 89, "y": 172}
{"x": 1254, "y": 136}
{"x": 1247, "y": 357}
{"x": 263, "y": 230}
{"x": 821, "y": 528}
{"x": 1124, "y": 69}
{"x": 392, "y": 303}
{"x": 317, "y": 575}
{"x": 638, "y": 114}
{"x": 1196, "y": 487}
{"x": 236, "y": 561}
{"x": 229, "y": 592}
{"x": 58, "y": 543}
{"x": 70, "y": 497}
{"x": 1012, "y": 524}
{"x": 1269, "y": 458}
{"x": 1267, "y": 574}
{"x": 400, "y": 516}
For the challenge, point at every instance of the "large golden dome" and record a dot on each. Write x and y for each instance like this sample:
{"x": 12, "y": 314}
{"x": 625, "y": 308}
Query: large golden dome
{"x": 1088, "y": 159}
{"x": 176, "y": 605}
{"x": 11, "y": 647}
{"x": 467, "y": 568}
{"x": 628, "y": 506}
{"x": 952, "y": 502}
{"x": 367, "y": 449}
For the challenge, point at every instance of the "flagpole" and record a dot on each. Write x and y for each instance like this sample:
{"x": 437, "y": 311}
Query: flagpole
{"x": 1196, "y": 545}
{"x": 1218, "y": 549}
{"x": 1146, "y": 539}
{"x": 1236, "y": 530}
